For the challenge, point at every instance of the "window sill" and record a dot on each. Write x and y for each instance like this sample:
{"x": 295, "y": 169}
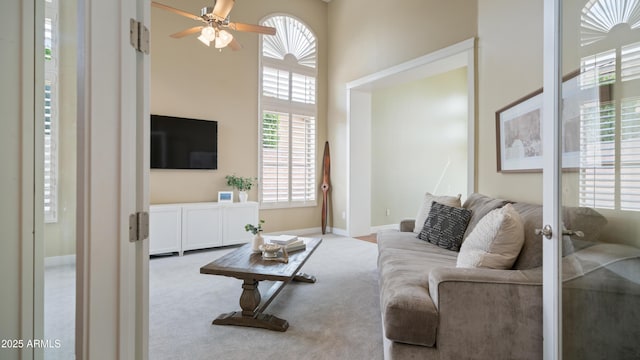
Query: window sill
{"x": 274, "y": 206}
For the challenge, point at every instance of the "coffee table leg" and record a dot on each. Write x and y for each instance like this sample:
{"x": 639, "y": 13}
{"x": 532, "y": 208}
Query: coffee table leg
{"x": 250, "y": 298}
{"x": 249, "y": 302}
{"x": 303, "y": 277}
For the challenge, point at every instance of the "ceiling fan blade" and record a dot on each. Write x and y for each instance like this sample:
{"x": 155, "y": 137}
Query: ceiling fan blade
{"x": 235, "y": 45}
{"x": 222, "y": 9}
{"x": 252, "y": 28}
{"x": 176, "y": 11}
{"x": 186, "y": 32}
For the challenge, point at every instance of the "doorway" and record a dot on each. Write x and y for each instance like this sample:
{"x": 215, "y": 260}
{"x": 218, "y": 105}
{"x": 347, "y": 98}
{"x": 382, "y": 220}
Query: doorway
{"x": 360, "y": 94}
{"x": 59, "y": 178}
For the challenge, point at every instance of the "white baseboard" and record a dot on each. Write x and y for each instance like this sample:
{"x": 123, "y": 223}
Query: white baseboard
{"x": 375, "y": 229}
{"x": 311, "y": 231}
{"x": 340, "y": 232}
{"x": 60, "y": 260}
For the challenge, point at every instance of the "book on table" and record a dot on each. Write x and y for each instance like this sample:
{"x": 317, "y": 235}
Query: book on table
{"x": 283, "y": 239}
{"x": 296, "y": 246}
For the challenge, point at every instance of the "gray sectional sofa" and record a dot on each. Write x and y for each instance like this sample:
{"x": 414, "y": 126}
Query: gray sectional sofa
{"x": 433, "y": 310}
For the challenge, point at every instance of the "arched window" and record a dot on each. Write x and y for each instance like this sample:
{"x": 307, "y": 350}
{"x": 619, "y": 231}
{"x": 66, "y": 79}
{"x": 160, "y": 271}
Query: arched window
{"x": 288, "y": 112}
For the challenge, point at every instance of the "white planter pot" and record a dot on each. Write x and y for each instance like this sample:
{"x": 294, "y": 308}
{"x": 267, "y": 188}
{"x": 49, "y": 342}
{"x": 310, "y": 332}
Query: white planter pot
{"x": 243, "y": 196}
{"x": 257, "y": 241}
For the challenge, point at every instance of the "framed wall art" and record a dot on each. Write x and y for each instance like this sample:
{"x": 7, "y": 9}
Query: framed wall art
{"x": 519, "y": 127}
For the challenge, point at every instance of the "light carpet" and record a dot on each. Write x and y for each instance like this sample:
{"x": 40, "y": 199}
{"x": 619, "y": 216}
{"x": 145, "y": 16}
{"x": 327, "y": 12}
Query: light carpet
{"x": 338, "y": 317}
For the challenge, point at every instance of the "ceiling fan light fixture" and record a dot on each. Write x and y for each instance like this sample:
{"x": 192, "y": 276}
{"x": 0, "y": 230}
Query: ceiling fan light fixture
{"x": 223, "y": 39}
{"x": 207, "y": 35}
{"x": 204, "y": 40}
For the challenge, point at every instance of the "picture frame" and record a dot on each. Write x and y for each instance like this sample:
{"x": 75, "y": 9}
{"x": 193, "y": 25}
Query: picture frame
{"x": 225, "y": 196}
{"x": 519, "y": 146}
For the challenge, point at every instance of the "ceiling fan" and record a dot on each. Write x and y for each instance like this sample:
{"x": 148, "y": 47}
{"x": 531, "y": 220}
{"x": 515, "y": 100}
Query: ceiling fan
{"x": 216, "y": 21}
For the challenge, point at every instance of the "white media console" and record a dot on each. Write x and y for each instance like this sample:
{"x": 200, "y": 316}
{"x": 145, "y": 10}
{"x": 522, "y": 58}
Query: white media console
{"x": 190, "y": 226}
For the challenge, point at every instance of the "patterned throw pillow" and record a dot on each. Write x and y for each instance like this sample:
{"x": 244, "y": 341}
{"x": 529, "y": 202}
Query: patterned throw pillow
{"x": 425, "y": 207}
{"x": 445, "y": 226}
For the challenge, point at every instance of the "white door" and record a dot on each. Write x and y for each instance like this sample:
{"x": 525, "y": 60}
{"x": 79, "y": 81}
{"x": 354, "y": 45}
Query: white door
{"x": 113, "y": 132}
{"x": 591, "y": 179}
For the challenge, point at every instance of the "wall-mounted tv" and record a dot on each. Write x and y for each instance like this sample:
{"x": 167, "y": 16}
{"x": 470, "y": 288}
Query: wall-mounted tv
{"x": 182, "y": 143}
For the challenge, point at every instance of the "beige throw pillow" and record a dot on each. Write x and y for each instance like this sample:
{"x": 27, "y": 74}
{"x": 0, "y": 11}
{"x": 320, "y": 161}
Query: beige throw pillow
{"x": 495, "y": 242}
{"x": 425, "y": 207}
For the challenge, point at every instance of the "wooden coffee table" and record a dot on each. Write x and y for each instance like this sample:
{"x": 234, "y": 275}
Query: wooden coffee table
{"x": 251, "y": 268}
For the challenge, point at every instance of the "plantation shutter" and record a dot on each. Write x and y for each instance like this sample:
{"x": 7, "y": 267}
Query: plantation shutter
{"x": 303, "y": 136}
{"x": 288, "y": 115}
{"x": 597, "y": 156}
{"x": 275, "y": 157}
{"x": 610, "y": 135}
{"x": 630, "y": 154}
{"x": 50, "y": 113}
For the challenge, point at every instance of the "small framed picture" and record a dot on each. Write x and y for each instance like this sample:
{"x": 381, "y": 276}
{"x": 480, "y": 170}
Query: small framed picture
{"x": 225, "y": 196}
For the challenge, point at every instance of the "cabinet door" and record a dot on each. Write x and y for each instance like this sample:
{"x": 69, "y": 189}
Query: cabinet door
{"x": 165, "y": 229}
{"x": 201, "y": 227}
{"x": 236, "y": 216}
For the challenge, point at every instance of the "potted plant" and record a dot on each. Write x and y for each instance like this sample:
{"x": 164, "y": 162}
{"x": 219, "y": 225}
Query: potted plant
{"x": 242, "y": 184}
{"x": 257, "y": 237}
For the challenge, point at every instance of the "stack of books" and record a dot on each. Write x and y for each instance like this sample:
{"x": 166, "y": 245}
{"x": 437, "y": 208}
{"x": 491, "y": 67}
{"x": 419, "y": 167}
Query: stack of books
{"x": 296, "y": 246}
{"x": 290, "y": 242}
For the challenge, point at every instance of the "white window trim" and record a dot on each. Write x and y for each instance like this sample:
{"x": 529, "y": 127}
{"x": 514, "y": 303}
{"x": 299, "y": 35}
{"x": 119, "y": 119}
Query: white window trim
{"x": 291, "y": 108}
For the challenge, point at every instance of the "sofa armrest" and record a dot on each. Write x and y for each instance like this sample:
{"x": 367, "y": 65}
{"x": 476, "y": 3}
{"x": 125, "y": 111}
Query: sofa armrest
{"x": 407, "y": 225}
{"x": 478, "y": 306}
{"x": 448, "y": 278}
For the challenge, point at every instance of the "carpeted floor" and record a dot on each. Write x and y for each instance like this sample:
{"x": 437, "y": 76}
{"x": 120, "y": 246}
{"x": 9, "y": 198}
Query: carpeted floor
{"x": 338, "y": 317}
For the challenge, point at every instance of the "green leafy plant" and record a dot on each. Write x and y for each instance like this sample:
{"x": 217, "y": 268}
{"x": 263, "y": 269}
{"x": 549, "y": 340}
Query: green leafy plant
{"x": 241, "y": 183}
{"x": 253, "y": 228}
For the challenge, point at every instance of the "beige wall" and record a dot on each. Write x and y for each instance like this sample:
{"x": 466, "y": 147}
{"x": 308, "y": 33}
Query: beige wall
{"x": 191, "y": 80}
{"x": 59, "y": 237}
{"x": 369, "y": 36}
{"x": 419, "y": 144}
{"x": 509, "y": 67}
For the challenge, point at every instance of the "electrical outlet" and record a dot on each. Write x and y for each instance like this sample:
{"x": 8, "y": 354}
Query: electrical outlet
{"x": 388, "y": 212}
{"x": 344, "y": 215}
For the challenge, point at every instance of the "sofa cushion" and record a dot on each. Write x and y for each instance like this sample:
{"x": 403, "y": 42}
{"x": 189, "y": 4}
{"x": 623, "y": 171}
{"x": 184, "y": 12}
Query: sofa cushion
{"x": 409, "y": 315}
{"x": 480, "y": 205}
{"x": 425, "y": 207}
{"x": 495, "y": 242}
{"x": 531, "y": 254}
{"x": 445, "y": 226}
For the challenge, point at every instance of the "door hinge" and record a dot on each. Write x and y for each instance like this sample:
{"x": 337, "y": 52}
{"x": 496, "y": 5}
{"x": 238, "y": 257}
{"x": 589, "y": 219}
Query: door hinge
{"x": 138, "y": 226}
{"x": 139, "y": 36}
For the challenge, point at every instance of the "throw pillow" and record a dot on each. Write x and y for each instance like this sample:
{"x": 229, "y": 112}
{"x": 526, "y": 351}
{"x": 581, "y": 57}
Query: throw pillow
{"x": 481, "y": 205}
{"x": 425, "y": 207}
{"x": 445, "y": 226}
{"x": 495, "y": 242}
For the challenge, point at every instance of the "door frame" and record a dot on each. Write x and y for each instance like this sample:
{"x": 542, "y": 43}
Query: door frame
{"x": 359, "y": 93}
{"x": 552, "y": 181}
{"x": 112, "y": 272}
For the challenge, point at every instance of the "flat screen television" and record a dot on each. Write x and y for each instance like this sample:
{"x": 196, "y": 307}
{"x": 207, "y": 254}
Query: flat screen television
{"x": 182, "y": 143}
